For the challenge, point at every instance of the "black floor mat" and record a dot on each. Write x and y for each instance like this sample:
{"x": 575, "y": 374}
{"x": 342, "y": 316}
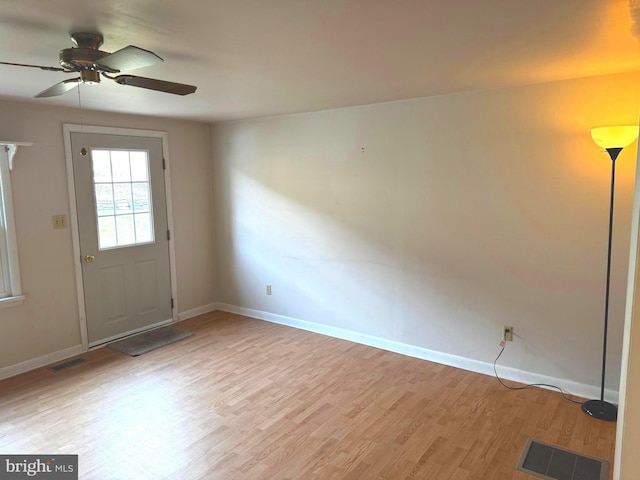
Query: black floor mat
{"x": 147, "y": 341}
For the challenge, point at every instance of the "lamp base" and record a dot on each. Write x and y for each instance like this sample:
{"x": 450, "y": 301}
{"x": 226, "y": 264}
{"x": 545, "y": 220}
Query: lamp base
{"x": 601, "y": 410}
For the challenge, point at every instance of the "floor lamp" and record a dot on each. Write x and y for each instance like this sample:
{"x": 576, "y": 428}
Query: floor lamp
{"x": 613, "y": 140}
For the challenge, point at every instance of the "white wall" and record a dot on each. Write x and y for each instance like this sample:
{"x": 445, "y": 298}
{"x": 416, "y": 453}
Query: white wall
{"x": 48, "y": 322}
{"x": 463, "y": 213}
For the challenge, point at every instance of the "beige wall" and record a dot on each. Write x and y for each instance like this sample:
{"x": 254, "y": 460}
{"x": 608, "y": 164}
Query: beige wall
{"x": 432, "y": 222}
{"x": 47, "y": 322}
{"x": 464, "y": 212}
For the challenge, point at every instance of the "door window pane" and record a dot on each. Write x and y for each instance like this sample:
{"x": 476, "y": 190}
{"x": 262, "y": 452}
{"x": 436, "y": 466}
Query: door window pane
{"x": 107, "y": 232}
{"x": 144, "y": 233}
{"x": 122, "y": 197}
{"x": 125, "y": 230}
{"x": 120, "y": 166}
{"x": 122, "y": 188}
{"x": 141, "y": 197}
{"x": 139, "y": 167}
{"x": 104, "y": 199}
{"x": 101, "y": 166}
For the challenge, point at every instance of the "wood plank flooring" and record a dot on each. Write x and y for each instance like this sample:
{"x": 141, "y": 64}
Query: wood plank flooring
{"x": 246, "y": 399}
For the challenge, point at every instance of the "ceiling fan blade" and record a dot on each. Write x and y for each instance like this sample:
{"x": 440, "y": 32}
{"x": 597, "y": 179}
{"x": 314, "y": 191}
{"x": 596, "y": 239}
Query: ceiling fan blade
{"x": 59, "y": 88}
{"x": 129, "y": 58}
{"x": 153, "y": 84}
{"x": 51, "y": 69}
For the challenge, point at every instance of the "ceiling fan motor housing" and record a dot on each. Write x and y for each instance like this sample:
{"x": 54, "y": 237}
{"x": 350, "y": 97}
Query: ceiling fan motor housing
{"x": 85, "y": 56}
{"x": 78, "y": 59}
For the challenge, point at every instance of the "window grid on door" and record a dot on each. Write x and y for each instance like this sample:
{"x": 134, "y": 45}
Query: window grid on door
{"x": 122, "y": 192}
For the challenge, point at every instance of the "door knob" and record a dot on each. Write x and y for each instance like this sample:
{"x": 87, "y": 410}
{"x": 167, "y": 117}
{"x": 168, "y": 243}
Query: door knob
{"x": 89, "y": 258}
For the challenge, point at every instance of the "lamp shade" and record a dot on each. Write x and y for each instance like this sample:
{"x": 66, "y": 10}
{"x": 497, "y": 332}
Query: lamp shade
{"x": 615, "y": 137}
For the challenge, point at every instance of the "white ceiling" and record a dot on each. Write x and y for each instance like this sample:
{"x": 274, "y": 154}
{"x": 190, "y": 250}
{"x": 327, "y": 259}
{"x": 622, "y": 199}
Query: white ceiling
{"x": 253, "y": 58}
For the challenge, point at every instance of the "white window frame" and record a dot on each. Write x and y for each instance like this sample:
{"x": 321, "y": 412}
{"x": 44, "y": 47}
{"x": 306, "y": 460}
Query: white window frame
{"x": 8, "y": 242}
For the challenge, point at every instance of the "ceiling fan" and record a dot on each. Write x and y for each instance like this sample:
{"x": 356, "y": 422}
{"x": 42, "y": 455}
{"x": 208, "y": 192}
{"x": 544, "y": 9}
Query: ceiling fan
{"x": 90, "y": 62}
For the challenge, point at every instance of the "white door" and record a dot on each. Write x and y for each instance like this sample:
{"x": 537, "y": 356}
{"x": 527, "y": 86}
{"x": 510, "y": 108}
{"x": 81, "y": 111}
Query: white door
{"x": 123, "y": 233}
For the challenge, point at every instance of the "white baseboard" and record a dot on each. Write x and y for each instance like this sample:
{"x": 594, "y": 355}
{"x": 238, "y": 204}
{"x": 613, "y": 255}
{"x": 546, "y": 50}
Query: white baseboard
{"x": 27, "y": 365}
{"x": 486, "y": 368}
{"x": 194, "y": 312}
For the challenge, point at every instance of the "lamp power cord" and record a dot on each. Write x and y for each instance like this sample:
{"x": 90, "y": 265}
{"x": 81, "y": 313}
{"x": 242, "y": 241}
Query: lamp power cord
{"x": 565, "y": 395}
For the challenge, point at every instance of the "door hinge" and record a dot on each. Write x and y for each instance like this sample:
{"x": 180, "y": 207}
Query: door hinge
{"x": 164, "y": 164}
{"x": 168, "y": 234}
{"x": 172, "y": 303}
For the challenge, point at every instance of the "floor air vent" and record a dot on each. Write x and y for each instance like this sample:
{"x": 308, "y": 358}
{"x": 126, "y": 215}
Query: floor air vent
{"x": 68, "y": 364}
{"x": 553, "y": 463}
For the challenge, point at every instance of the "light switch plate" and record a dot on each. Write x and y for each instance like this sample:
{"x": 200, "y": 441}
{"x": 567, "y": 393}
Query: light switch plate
{"x": 59, "y": 221}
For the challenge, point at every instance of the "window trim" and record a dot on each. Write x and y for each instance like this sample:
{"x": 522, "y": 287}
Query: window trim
{"x": 7, "y": 152}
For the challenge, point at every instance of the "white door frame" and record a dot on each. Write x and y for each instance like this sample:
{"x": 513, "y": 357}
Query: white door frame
{"x": 633, "y": 282}
{"x": 68, "y": 129}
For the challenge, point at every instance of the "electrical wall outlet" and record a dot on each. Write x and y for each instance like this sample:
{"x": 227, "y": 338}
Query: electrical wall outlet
{"x": 507, "y": 333}
{"x": 268, "y": 289}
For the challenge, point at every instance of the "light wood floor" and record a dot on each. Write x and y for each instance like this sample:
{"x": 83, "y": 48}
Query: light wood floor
{"x": 246, "y": 399}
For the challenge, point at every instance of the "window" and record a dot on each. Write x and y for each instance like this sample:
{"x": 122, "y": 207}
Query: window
{"x": 123, "y": 197}
{"x": 10, "y": 291}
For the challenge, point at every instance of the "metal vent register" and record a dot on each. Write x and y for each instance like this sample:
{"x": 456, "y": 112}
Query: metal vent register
{"x": 68, "y": 364}
{"x": 553, "y": 463}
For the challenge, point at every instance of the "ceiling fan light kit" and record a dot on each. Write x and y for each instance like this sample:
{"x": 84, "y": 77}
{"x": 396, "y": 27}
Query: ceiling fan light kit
{"x": 91, "y": 63}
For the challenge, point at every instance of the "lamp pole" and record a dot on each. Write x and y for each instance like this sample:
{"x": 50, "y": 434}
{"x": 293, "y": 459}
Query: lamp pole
{"x": 613, "y": 139}
{"x": 599, "y": 408}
